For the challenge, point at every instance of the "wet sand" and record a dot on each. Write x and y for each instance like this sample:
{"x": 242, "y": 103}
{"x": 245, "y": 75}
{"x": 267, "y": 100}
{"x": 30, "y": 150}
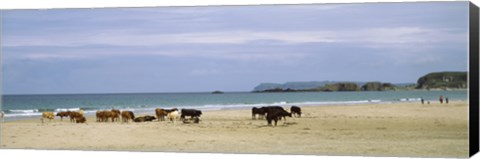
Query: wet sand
{"x": 402, "y": 129}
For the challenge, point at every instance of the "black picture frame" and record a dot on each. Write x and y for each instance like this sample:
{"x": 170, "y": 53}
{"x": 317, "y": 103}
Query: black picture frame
{"x": 473, "y": 79}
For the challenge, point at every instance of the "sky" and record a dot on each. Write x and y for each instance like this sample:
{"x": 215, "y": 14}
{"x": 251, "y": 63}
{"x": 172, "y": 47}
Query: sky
{"x": 228, "y": 48}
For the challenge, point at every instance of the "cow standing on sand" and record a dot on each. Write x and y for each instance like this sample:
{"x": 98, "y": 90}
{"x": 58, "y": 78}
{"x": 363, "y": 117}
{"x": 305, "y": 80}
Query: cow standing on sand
{"x": 268, "y": 109}
{"x": 258, "y": 111}
{"x": 295, "y": 110}
{"x": 190, "y": 112}
{"x": 103, "y": 116}
{"x": 276, "y": 114}
{"x": 127, "y": 115}
{"x": 106, "y": 115}
{"x": 48, "y": 115}
{"x": 160, "y": 113}
{"x": 115, "y": 115}
{"x": 75, "y": 115}
{"x": 63, "y": 114}
{"x": 173, "y": 116}
{"x": 100, "y": 114}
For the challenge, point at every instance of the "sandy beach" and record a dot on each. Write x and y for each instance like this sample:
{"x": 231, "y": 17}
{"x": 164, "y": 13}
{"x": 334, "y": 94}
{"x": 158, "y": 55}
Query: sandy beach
{"x": 401, "y": 129}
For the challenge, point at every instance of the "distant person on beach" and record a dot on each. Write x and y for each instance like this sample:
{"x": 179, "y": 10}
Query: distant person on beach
{"x": 428, "y": 102}
{"x": 1, "y": 115}
{"x": 446, "y": 100}
{"x": 441, "y": 99}
{"x": 421, "y": 99}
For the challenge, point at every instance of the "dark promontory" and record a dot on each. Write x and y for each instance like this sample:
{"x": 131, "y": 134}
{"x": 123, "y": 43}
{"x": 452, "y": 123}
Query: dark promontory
{"x": 443, "y": 80}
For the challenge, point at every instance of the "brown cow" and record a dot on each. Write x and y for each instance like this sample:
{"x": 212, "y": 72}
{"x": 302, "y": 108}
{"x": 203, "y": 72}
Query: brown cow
{"x": 99, "y": 115}
{"x": 63, "y": 114}
{"x": 127, "y": 115}
{"x": 80, "y": 119}
{"x": 115, "y": 115}
{"x": 74, "y": 115}
{"x": 106, "y": 115}
{"x": 161, "y": 113}
{"x": 103, "y": 116}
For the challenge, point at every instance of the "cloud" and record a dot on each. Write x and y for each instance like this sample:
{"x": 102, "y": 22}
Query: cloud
{"x": 130, "y": 38}
{"x": 252, "y": 46}
{"x": 398, "y": 35}
{"x": 213, "y": 54}
{"x": 407, "y": 35}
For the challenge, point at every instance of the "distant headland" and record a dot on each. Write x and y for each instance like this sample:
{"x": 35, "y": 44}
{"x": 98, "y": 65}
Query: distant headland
{"x": 434, "y": 80}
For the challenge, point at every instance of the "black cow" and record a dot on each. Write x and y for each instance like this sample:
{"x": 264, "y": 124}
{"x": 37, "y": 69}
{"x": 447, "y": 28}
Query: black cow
{"x": 144, "y": 118}
{"x": 260, "y": 111}
{"x": 276, "y": 114}
{"x": 272, "y": 108}
{"x": 268, "y": 108}
{"x": 190, "y": 112}
{"x": 295, "y": 110}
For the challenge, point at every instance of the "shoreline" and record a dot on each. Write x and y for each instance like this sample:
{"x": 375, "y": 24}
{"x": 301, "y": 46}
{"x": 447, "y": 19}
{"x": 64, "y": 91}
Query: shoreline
{"x": 399, "y": 129}
{"x": 91, "y": 113}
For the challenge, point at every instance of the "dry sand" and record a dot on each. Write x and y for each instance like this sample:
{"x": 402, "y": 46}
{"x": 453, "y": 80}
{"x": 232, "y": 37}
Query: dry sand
{"x": 404, "y": 129}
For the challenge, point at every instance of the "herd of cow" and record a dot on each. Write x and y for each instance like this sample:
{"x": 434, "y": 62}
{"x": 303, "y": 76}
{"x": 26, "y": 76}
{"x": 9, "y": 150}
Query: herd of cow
{"x": 271, "y": 113}
{"x": 275, "y": 113}
{"x": 115, "y": 115}
{"x": 74, "y": 116}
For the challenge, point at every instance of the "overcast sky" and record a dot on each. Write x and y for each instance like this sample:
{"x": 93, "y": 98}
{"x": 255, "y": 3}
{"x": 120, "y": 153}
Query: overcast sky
{"x": 230, "y": 48}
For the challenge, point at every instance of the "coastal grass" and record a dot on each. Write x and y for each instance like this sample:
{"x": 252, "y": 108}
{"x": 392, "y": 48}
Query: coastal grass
{"x": 400, "y": 129}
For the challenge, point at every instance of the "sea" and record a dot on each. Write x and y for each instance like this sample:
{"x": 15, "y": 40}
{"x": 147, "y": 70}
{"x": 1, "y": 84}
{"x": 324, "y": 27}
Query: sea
{"x": 17, "y": 107}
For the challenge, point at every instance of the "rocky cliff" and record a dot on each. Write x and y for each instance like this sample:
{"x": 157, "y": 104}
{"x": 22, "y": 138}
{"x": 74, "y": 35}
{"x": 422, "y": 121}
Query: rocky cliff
{"x": 443, "y": 80}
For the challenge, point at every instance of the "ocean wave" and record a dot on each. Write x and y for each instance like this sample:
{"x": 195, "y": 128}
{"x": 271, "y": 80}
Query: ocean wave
{"x": 22, "y": 111}
{"x": 281, "y": 103}
{"x": 22, "y": 115}
{"x": 67, "y": 109}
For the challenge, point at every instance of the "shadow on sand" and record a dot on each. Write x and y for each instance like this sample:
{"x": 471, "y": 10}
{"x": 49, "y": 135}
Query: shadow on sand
{"x": 279, "y": 124}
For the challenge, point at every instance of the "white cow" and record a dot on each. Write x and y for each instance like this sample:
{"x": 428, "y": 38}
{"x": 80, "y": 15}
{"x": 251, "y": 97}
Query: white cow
{"x": 173, "y": 116}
